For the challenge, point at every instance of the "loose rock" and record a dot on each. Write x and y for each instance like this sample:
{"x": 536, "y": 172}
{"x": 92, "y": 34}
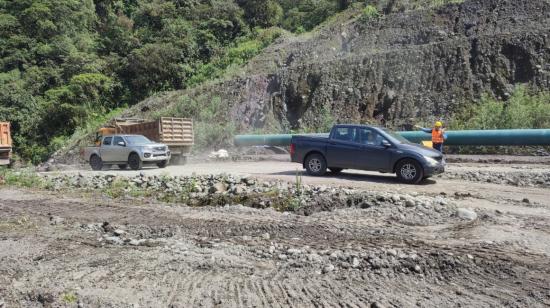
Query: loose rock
{"x": 466, "y": 214}
{"x": 328, "y": 268}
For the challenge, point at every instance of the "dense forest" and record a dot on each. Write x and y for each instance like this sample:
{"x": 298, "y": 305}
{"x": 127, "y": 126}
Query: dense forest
{"x": 64, "y": 62}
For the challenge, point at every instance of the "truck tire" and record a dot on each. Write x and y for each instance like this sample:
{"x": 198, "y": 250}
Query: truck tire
{"x": 123, "y": 166}
{"x": 162, "y": 164}
{"x": 409, "y": 171}
{"x": 134, "y": 161}
{"x": 335, "y": 170}
{"x": 96, "y": 163}
{"x": 179, "y": 160}
{"x": 315, "y": 164}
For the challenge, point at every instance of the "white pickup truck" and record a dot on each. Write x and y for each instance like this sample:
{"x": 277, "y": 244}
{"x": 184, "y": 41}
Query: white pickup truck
{"x": 126, "y": 150}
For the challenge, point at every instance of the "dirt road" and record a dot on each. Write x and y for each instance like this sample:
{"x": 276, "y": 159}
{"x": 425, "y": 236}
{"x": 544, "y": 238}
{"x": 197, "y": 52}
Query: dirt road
{"x": 76, "y": 248}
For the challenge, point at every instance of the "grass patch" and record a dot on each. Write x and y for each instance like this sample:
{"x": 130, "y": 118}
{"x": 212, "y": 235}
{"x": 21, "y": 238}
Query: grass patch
{"x": 69, "y": 298}
{"x": 23, "y": 178}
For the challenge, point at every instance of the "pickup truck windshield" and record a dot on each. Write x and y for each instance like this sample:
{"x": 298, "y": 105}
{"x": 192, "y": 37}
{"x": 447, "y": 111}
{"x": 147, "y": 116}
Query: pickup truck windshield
{"x": 137, "y": 140}
{"x": 396, "y": 136}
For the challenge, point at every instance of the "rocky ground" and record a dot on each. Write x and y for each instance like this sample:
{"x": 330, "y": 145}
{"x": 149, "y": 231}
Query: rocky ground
{"x": 148, "y": 240}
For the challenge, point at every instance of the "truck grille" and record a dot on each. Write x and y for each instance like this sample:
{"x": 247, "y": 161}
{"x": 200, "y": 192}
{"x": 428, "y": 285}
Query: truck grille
{"x": 160, "y": 149}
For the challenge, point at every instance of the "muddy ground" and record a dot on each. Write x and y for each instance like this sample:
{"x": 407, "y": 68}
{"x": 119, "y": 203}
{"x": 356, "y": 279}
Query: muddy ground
{"x": 74, "y": 248}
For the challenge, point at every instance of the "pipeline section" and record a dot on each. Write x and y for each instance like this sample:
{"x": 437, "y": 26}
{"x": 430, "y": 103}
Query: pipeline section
{"x": 505, "y": 137}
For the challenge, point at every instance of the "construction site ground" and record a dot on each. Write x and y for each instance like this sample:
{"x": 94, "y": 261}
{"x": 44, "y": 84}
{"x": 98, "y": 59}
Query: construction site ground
{"x": 54, "y": 252}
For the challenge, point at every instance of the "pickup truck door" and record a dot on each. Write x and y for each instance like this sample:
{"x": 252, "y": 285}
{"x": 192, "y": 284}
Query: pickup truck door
{"x": 342, "y": 150}
{"x": 120, "y": 149}
{"x": 374, "y": 155}
{"x": 106, "y": 149}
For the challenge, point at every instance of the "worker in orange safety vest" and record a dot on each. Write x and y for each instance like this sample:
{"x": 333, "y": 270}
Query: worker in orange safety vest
{"x": 438, "y": 135}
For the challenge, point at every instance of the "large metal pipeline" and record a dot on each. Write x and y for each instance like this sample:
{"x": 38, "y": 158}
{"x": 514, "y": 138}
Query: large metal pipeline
{"x": 515, "y": 137}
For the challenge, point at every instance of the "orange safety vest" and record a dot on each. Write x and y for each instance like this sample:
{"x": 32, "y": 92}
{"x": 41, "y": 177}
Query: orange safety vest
{"x": 437, "y": 136}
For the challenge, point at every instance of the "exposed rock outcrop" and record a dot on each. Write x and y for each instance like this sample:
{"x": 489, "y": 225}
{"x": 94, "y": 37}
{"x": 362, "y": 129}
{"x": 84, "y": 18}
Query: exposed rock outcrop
{"x": 403, "y": 65}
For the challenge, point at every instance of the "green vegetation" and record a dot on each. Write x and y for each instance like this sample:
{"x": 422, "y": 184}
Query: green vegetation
{"x": 69, "y": 298}
{"x": 27, "y": 178}
{"x": 243, "y": 50}
{"x": 521, "y": 110}
{"x": 298, "y": 184}
{"x": 369, "y": 12}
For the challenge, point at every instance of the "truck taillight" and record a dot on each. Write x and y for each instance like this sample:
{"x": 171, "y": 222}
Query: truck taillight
{"x": 292, "y": 148}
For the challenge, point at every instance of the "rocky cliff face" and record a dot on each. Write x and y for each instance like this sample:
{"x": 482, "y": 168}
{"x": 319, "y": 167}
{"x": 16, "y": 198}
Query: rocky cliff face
{"x": 419, "y": 64}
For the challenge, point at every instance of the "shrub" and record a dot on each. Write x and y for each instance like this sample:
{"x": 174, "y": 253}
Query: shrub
{"x": 521, "y": 110}
{"x": 238, "y": 54}
{"x": 370, "y": 12}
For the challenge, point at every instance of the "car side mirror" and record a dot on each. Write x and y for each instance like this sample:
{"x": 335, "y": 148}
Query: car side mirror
{"x": 386, "y": 143}
{"x": 121, "y": 143}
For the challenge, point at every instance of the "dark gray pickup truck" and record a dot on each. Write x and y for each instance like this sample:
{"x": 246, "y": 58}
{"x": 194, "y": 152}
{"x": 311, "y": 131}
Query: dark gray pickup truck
{"x": 366, "y": 148}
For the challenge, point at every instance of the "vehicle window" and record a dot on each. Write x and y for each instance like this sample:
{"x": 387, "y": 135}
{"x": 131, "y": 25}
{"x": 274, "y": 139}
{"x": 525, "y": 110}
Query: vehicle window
{"x": 369, "y": 137}
{"x": 137, "y": 140}
{"x": 344, "y": 134}
{"x": 117, "y": 140}
{"x": 396, "y": 136}
{"x": 107, "y": 140}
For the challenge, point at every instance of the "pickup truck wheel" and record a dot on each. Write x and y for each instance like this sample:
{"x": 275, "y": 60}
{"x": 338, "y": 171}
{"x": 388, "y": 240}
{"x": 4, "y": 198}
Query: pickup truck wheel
{"x": 96, "y": 163}
{"x": 335, "y": 170}
{"x": 409, "y": 171}
{"x": 123, "y": 166}
{"x": 162, "y": 164}
{"x": 134, "y": 161}
{"x": 316, "y": 165}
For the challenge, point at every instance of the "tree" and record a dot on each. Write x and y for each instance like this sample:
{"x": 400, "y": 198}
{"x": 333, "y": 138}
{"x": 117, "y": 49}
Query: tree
{"x": 262, "y": 13}
{"x": 155, "y": 67}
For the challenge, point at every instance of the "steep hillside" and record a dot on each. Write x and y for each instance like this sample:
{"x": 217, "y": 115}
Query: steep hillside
{"x": 393, "y": 65}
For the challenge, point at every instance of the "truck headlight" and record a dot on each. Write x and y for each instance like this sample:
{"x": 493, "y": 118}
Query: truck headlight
{"x": 431, "y": 161}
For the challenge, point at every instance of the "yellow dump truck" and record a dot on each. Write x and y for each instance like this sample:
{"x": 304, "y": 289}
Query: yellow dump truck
{"x": 5, "y": 143}
{"x": 177, "y": 133}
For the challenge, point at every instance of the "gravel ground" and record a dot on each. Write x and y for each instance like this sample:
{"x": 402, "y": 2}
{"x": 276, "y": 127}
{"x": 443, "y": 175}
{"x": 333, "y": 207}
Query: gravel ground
{"x": 240, "y": 241}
